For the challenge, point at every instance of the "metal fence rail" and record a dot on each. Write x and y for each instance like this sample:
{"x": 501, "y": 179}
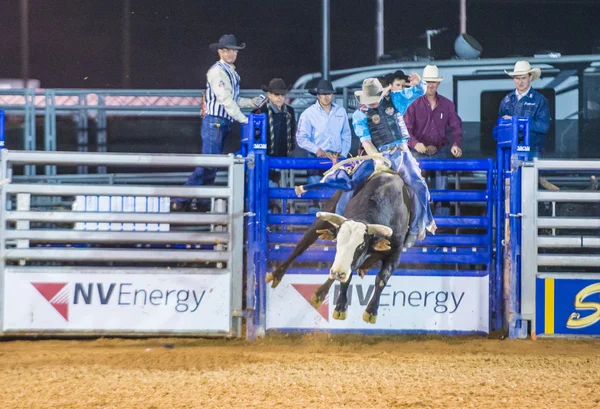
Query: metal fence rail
{"x": 81, "y": 249}
{"x": 568, "y": 253}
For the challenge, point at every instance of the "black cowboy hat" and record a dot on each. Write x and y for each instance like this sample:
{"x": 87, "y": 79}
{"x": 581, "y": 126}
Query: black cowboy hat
{"x": 323, "y": 87}
{"x": 276, "y": 86}
{"x": 227, "y": 41}
{"x": 398, "y": 74}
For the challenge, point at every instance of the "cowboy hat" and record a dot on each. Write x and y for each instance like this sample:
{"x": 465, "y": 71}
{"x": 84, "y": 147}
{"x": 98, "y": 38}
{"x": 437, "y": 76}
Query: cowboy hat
{"x": 371, "y": 93}
{"x": 227, "y": 41}
{"x": 276, "y": 86}
{"x": 431, "y": 73}
{"x": 400, "y": 75}
{"x": 323, "y": 87}
{"x": 523, "y": 68}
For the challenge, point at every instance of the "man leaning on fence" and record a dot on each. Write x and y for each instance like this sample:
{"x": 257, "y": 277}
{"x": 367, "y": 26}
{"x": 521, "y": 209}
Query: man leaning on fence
{"x": 222, "y": 105}
{"x": 323, "y": 128}
{"x": 525, "y": 101}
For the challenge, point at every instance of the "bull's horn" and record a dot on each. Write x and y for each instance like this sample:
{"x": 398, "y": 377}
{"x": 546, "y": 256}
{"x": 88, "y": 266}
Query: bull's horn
{"x": 332, "y": 218}
{"x": 379, "y": 229}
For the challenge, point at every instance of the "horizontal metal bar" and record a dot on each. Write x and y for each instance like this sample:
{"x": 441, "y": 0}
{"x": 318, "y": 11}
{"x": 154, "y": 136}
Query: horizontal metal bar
{"x": 436, "y": 195}
{"x": 426, "y": 164}
{"x": 114, "y": 270}
{"x": 568, "y": 196}
{"x": 299, "y": 163}
{"x": 119, "y": 178}
{"x": 568, "y": 260}
{"x": 122, "y": 217}
{"x": 410, "y": 256}
{"x": 459, "y": 195}
{"x": 567, "y": 164}
{"x": 567, "y": 223}
{"x": 399, "y": 272}
{"x": 442, "y": 221}
{"x": 568, "y": 241}
{"x": 108, "y": 255}
{"x": 288, "y": 193}
{"x": 455, "y": 164}
{"x": 71, "y": 236}
{"x": 118, "y": 159}
{"x": 118, "y": 190}
{"x": 448, "y": 240}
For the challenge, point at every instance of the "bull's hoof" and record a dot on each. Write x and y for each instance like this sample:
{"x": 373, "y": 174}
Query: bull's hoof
{"x": 339, "y": 276}
{"x": 316, "y": 301}
{"x": 362, "y": 272}
{"x": 369, "y": 318}
{"x": 340, "y": 315}
{"x": 271, "y": 278}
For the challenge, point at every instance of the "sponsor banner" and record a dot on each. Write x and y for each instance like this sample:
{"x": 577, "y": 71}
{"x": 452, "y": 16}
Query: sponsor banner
{"x": 120, "y": 302}
{"x": 567, "y": 306}
{"x": 408, "y": 303}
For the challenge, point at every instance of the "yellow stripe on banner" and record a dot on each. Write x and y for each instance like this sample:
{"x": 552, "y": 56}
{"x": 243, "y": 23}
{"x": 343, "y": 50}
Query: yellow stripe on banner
{"x": 549, "y": 306}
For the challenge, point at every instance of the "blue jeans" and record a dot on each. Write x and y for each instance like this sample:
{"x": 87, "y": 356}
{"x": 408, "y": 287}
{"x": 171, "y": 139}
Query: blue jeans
{"x": 214, "y": 130}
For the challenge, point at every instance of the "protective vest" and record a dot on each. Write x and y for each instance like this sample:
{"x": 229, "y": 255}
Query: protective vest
{"x": 382, "y": 123}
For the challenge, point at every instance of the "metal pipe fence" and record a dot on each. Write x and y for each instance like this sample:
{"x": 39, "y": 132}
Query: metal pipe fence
{"x": 114, "y": 244}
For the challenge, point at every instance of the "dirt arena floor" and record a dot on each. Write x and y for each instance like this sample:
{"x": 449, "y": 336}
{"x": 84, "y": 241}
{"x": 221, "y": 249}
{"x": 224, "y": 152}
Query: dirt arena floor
{"x": 301, "y": 371}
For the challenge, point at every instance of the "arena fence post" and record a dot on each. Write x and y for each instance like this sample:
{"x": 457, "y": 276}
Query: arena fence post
{"x": 254, "y": 146}
{"x": 2, "y": 137}
{"x": 512, "y": 150}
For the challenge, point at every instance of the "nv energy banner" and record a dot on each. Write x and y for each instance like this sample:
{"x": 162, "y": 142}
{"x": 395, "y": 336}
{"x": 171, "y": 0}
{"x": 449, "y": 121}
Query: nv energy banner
{"x": 408, "y": 303}
{"x": 128, "y": 302}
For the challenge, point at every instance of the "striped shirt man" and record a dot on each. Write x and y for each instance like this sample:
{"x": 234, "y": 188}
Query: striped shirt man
{"x": 222, "y": 96}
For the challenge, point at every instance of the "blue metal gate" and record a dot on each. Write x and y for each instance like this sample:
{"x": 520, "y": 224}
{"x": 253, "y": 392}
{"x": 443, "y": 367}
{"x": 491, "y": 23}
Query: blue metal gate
{"x": 452, "y": 263}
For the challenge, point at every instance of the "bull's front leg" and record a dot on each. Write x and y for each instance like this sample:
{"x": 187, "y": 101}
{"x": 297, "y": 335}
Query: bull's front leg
{"x": 341, "y": 306}
{"x": 319, "y": 296}
{"x": 309, "y": 237}
{"x": 387, "y": 269}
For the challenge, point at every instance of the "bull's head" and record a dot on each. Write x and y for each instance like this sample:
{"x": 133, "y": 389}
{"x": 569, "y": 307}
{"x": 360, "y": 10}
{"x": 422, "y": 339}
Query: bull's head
{"x": 355, "y": 240}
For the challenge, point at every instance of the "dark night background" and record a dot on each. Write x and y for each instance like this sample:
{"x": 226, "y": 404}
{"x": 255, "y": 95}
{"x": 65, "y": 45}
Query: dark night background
{"x": 78, "y": 43}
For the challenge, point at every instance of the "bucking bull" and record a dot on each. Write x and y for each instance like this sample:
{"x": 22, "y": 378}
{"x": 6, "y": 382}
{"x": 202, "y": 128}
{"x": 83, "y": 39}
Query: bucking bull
{"x": 373, "y": 228}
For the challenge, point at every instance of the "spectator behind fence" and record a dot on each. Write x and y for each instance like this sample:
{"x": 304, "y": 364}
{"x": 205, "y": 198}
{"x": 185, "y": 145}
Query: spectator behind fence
{"x": 525, "y": 101}
{"x": 281, "y": 123}
{"x": 281, "y": 119}
{"x": 404, "y": 90}
{"x": 428, "y": 120}
{"x": 323, "y": 128}
{"x": 222, "y": 104}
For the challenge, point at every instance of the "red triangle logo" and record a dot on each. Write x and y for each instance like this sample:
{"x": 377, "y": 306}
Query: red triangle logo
{"x": 56, "y": 296}
{"x": 307, "y": 291}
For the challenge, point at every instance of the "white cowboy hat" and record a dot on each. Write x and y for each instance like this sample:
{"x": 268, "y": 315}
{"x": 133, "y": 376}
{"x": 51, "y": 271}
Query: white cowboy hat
{"x": 522, "y": 68}
{"x": 431, "y": 73}
{"x": 372, "y": 91}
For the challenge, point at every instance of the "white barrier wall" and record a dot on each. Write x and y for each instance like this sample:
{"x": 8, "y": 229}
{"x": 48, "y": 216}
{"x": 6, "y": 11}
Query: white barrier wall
{"x": 409, "y": 303}
{"x": 117, "y": 302}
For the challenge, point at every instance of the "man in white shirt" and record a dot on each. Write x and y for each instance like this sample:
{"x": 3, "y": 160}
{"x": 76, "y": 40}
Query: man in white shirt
{"x": 323, "y": 128}
{"x": 222, "y": 105}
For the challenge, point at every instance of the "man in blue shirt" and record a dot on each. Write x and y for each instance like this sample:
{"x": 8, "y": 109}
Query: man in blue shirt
{"x": 525, "y": 101}
{"x": 323, "y": 128}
